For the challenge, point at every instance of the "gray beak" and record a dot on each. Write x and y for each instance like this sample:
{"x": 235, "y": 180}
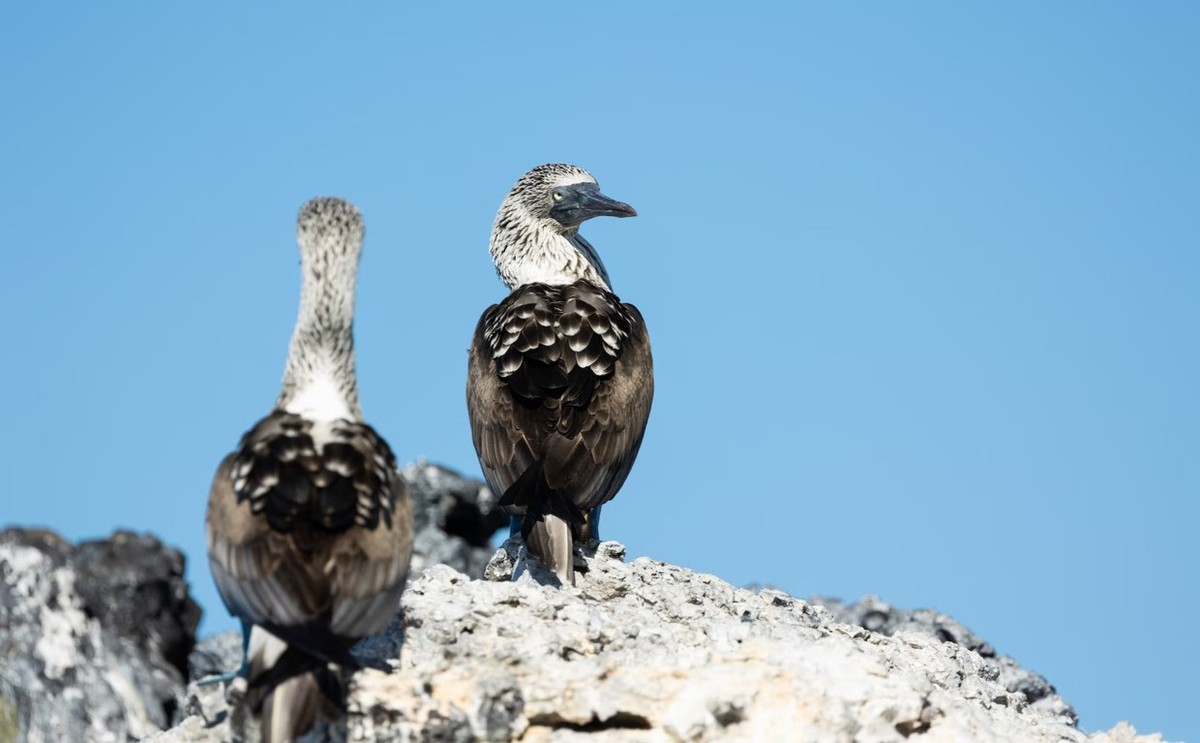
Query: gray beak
{"x": 583, "y": 201}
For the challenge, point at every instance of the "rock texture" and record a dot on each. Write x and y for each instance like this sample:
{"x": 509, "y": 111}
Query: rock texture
{"x": 645, "y": 651}
{"x": 93, "y": 642}
{"x": 454, "y": 519}
{"x": 879, "y": 616}
{"x": 94, "y": 639}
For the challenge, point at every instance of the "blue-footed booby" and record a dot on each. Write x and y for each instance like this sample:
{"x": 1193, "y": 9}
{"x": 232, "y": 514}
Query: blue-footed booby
{"x": 560, "y": 377}
{"x": 309, "y": 523}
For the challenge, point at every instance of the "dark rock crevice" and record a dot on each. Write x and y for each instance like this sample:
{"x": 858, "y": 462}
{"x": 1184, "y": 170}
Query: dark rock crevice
{"x": 617, "y": 721}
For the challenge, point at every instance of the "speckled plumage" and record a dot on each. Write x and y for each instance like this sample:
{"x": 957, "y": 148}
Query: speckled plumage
{"x": 560, "y": 379}
{"x": 528, "y": 246}
{"x": 319, "y": 380}
{"x": 309, "y": 523}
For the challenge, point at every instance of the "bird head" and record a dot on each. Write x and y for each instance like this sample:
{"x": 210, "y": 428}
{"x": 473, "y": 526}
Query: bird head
{"x": 329, "y": 226}
{"x": 562, "y": 197}
{"x": 535, "y": 237}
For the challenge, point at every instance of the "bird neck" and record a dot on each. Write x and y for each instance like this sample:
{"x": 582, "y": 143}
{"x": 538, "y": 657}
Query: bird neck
{"x": 319, "y": 382}
{"x": 531, "y": 253}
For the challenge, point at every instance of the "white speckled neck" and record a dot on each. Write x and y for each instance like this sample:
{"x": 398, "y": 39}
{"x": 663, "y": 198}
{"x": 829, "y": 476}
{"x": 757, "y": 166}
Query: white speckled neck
{"x": 526, "y": 252}
{"x": 319, "y": 381}
{"x": 529, "y": 246}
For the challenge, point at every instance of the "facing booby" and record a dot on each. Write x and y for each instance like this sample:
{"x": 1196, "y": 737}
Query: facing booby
{"x": 560, "y": 377}
{"x": 309, "y": 523}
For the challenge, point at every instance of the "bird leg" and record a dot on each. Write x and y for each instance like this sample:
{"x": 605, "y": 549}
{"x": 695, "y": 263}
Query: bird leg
{"x": 591, "y": 531}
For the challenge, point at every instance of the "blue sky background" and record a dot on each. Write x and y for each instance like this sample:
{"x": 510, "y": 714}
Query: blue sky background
{"x": 923, "y": 281}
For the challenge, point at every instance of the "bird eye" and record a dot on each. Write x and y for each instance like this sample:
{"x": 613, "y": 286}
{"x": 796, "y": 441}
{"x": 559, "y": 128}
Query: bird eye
{"x": 557, "y": 195}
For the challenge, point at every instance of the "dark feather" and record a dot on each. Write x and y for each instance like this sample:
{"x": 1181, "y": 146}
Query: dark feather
{"x": 309, "y": 536}
{"x": 293, "y": 485}
{"x": 557, "y": 425}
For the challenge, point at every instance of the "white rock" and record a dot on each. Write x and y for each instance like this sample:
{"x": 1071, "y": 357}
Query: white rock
{"x": 647, "y": 651}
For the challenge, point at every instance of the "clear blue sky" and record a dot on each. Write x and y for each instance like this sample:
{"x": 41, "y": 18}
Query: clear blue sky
{"x": 923, "y": 281}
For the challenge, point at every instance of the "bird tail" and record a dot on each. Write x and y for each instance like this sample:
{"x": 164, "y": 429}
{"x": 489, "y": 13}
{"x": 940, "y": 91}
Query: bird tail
{"x": 290, "y": 709}
{"x": 550, "y": 539}
{"x": 547, "y": 522}
{"x": 295, "y": 688}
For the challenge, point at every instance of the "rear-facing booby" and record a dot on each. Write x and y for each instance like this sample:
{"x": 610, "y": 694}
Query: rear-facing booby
{"x": 560, "y": 377}
{"x": 309, "y": 523}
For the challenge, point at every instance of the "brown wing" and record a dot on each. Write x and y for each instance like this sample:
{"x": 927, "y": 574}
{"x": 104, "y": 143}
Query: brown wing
{"x": 507, "y": 444}
{"x": 310, "y": 526}
{"x": 560, "y": 377}
{"x": 597, "y": 460}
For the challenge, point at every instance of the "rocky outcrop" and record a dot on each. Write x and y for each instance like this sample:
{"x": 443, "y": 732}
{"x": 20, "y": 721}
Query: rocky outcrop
{"x": 638, "y": 651}
{"x": 879, "y": 616}
{"x": 94, "y": 638}
{"x": 646, "y": 651}
{"x": 454, "y": 519}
